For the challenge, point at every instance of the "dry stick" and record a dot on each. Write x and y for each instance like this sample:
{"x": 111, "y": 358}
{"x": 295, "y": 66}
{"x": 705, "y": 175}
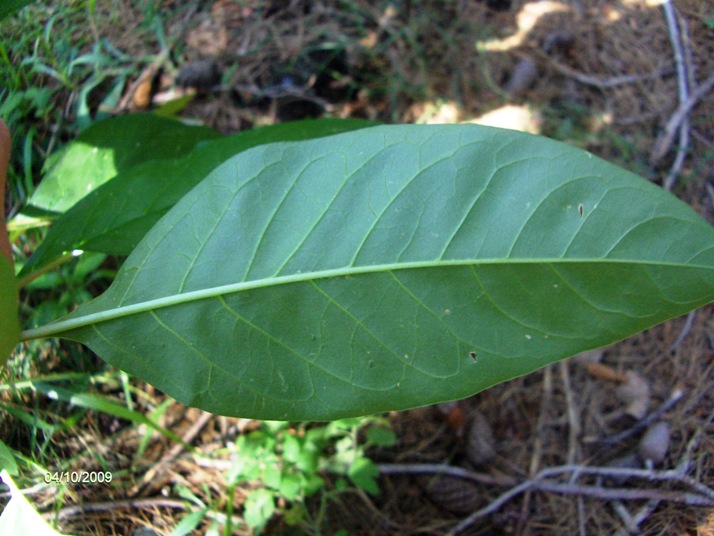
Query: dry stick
{"x": 581, "y": 516}
{"x": 491, "y": 507}
{"x": 687, "y": 498}
{"x": 111, "y": 506}
{"x": 665, "y": 140}
{"x": 446, "y": 470}
{"x": 704, "y": 493}
{"x": 681, "y": 155}
{"x": 685, "y": 331}
{"x": 606, "y": 82}
{"x": 687, "y": 57}
{"x": 682, "y": 77}
{"x": 537, "y": 454}
{"x": 376, "y": 512}
{"x": 676, "y": 395}
{"x": 573, "y": 422}
{"x": 710, "y": 191}
{"x": 187, "y": 438}
{"x": 626, "y": 517}
{"x": 70, "y": 511}
{"x": 632, "y": 523}
{"x": 682, "y": 468}
{"x": 704, "y": 496}
{"x": 589, "y": 491}
{"x": 573, "y": 434}
{"x": 702, "y": 490}
{"x": 644, "y": 512}
{"x": 675, "y": 39}
{"x": 700, "y": 496}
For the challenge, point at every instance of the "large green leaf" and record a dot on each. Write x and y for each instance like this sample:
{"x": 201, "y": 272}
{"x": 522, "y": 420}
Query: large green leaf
{"x": 110, "y": 147}
{"x": 392, "y": 267}
{"x": 139, "y": 196}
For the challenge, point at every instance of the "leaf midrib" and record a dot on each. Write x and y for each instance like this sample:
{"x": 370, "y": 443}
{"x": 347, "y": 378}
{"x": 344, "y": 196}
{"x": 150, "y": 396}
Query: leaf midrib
{"x": 58, "y": 327}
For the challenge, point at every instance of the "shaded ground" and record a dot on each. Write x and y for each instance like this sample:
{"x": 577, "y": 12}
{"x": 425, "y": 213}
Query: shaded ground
{"x": 598, "y": 74}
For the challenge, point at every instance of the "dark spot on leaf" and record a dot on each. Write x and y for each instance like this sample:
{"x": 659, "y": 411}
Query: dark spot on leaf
{"x": 473, "y": 356}
{"x": 580, "y": 209}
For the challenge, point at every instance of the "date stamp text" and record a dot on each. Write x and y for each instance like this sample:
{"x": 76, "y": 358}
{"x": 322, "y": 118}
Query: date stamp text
{"x": 78, "y": 477}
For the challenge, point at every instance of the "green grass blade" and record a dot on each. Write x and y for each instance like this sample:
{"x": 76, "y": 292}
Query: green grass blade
{"x": 101, "y": 404}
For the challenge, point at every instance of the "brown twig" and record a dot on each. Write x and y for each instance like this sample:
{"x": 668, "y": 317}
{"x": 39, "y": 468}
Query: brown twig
{"x": 187, "y": 438}
{"x": 112, "y": 506}
{"x": 632, "y": 522}
{"x": 582, "y": 490}
{"x": 700, "y": 496}
{"x": 626, "y": 517}
{"x": 573, "y": 420}
{"x": 537, "y": 453}
{"x": 665, "y": 140}
{"x": 441, "y": 469}
{"x": 683, "y": 87}
{"x": 491, "y": 507}
{"x": 685, "y": 331}
{"x": 620, "y": 472}
{"x": 109, "y": 506}
{"x": 710, "y": 192}
{"x": 598, "y": 492}
{"x": 605, "y": 82}
{"x": 573, "y": 434}
{"x": 643, "y": 423}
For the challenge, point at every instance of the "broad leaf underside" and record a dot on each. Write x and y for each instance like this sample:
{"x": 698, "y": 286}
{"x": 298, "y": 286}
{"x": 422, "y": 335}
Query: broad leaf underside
{"x": 393, "y": 267}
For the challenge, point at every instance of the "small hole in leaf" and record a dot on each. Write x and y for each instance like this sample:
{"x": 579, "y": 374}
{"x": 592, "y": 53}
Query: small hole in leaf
{"x": 473, "y": 356}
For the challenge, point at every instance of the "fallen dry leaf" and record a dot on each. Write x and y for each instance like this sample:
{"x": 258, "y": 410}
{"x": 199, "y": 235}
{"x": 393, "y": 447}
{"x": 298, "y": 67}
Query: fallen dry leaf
{"x": 635, "y": 392}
